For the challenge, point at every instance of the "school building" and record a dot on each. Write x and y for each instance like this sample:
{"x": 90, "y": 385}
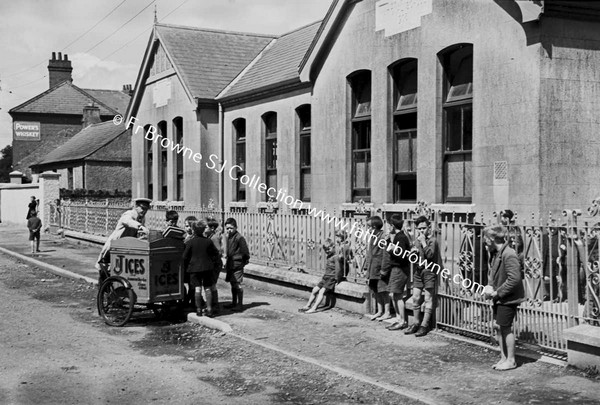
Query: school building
{"x": 471, "y": 105}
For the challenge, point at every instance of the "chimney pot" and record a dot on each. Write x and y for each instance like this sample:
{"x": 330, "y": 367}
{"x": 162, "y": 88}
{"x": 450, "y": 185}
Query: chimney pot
{"x": 59, "y": 70}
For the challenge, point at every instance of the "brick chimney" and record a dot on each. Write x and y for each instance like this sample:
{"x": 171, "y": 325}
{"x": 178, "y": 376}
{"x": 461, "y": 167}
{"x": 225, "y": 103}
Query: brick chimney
{"x": 59, "y": 69}
{"x": 127, "y": 89}
{"x": 91, "y": 115}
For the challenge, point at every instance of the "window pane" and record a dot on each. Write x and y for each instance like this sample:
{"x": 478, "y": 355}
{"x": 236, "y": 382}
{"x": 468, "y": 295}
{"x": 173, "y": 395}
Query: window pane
{"x": 271, "y": 124}
{"x": 458, "y": 176}
{"x": 405, "y": 188}
{"x": 305, "y": 181}
{"x": 361, "y": 87}
{"x": 403, "y": 158}
{"x": 272, "y": 180}
{"x": 459, "y": 69}
{"x": 467, "y": 128}
{"x": 362, "y": 135}
{"x": 406, "y": 85}
{"x": 305, "y": 151}
{"x": 271, "y": 146}
{"x": 362, "y": 168}
{"x": 453, "y": 129}
{"x": 240, "y": 155}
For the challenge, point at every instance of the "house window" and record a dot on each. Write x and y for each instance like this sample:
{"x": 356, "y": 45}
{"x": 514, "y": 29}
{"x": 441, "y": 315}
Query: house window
{"x": 178, "y": 131}
{"x": 360, "y": 85}
{"x": 270, "y": 127}
{"x": 162, "y": 130}
{"x": 404, "y": 77}
{"x": 304, "y": 135}
{"x": 458, "y": 122}
{"x": 239, "y": 139}
{"x": 149, "y": 162}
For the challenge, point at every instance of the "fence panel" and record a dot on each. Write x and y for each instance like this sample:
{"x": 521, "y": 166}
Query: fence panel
{"x": 560, "y": 262}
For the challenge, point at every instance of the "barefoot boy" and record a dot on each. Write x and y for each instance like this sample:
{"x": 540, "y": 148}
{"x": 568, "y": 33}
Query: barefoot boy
{"x": 35, "y": 225}
{"x": 331, "y": 278}
{"x": 506, "y": 291}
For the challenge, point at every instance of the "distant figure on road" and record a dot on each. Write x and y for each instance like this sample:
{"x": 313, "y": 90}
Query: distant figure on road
{"x": 35, "y": 225}
{"x": 32, "y": 207}
{"x": 130, "y": 223}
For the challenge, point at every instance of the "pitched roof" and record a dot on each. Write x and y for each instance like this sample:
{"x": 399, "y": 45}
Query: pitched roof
{"x": 66, "y": 98}
{"x": 112, "y": 98}
{"x": 278, "y": 63}
{"x": 84, "y": 143}
{"x": 208, "y": 60}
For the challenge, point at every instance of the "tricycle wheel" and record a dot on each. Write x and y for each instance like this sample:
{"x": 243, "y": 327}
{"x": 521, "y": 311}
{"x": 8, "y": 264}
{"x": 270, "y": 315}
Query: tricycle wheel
{"x": 115, "y": 301}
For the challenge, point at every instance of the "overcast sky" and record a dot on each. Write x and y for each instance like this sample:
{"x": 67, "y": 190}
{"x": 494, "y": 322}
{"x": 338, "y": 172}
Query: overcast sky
{"x": 30, "y": 30}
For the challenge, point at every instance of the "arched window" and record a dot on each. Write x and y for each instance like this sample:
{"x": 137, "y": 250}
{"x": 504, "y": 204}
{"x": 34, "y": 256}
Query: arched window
{"x": 360, "y": 117}
{"x": 404, "y": 78}
{"x": 149, "y": 162}
{"x": 304, "y": 125}
{"x": 239, "y": 156}
{"x": 270, "y": 136}
{"x": 178, "y": 132}
{"x": 457, "y": 104}
{"x": 162, "y": 130}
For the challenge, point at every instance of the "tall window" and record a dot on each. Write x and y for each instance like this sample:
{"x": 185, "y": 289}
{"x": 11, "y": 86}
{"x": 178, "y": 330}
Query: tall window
{"x": 360, "y": 84}
{"x": 239, "y": 139}
{"x": 70, "y": 178}
{"x": 404, "y": 76}
{"x": 458, "y": 122}
{"x": 149, "y": 163}
{"x": 304, "y": 134}
{"x": 270, "y": 125}
{"x": 178, "y": 132}
{"x": 162, "y": 130}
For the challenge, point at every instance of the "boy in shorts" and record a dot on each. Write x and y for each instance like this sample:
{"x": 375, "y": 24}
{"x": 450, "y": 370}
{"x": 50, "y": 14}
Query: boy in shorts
{"x": 214, "y": 233}
{"x": 331, "y": 278}
{"x": 398, "y": 268}
{"x": 35, "y": 225}
{"x": 424, "y": 280}
{"x": 378, "y": 282}
{"x": 506, "y": 291}
{"x": 237, "y": 257}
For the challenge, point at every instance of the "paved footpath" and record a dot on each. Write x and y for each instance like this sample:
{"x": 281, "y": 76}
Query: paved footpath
{"x": 435, "y": 369}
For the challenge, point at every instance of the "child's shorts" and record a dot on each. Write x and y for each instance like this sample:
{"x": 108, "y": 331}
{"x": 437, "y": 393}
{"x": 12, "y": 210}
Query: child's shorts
{"x": 504, "y": 315}
{"x": 327, "y": 282}
{"x": 424, "y": 279}
{"x": 34, "y": 235}
{"x": 236, "y": 278}
{"x": 204, "y": 279}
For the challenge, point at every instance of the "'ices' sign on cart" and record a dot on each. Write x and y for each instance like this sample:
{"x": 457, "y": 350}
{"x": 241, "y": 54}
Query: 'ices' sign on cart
{"x": 26, "y": 131}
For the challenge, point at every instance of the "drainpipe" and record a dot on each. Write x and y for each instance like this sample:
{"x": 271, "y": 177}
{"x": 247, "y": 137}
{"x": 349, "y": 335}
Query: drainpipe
{"x": 222, "y": 174}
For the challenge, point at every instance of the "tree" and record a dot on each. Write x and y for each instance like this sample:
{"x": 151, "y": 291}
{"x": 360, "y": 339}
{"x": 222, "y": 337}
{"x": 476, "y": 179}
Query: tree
{"x": 6, "y": 159}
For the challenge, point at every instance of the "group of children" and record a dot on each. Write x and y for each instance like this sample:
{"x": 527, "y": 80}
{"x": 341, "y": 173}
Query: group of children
{"x": 388, "y": 272}
{"x": 204, "y": 248}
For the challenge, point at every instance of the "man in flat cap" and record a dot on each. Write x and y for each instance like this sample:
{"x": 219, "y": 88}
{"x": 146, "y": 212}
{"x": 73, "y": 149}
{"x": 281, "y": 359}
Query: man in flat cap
{"x": 130, "y": 223}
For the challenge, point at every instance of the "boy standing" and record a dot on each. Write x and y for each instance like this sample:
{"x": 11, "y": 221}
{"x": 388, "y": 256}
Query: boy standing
{"x": 173, "y": 230}
{"x": 35, "y": 225}
{"x": 506, "y": 291}
{"x": 378, "y": 284}
{"x": 398, "y": 268}
{"x": 424, "y": 280}
{"x": 237, "y": 257}
{"x": 213, "y": 233}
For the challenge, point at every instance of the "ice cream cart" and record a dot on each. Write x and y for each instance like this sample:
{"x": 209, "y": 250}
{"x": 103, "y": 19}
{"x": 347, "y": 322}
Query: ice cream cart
{"x": 144, "y": 273}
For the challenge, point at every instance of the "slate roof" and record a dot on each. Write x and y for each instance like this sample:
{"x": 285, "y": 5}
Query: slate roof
{"x": 84, "y": 143}
{"x": 66, "y": 98}
{"x": 112, "y": 98}
{"x": 277, "y": 64}
{"x": 208, "y": 60}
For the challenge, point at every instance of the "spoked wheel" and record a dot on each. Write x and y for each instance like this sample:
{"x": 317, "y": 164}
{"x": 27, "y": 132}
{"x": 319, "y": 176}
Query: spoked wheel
{"x": 115, "y": 301}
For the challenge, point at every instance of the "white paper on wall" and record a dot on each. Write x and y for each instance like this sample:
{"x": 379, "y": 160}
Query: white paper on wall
{"x": 161, "y": 92}
{"x": 395, "y": 16}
